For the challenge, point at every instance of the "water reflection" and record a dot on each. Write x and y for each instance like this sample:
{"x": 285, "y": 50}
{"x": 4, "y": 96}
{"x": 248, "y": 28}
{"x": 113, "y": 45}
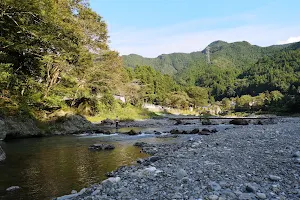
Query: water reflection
{"x": 49, "y": 167}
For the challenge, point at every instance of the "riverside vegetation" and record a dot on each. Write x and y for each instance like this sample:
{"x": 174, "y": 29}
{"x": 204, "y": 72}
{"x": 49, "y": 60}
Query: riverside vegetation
{"x": 55, "y": 59}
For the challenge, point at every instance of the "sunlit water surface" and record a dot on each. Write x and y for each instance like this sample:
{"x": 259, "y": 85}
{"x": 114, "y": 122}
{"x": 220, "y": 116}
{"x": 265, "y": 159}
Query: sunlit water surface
{"x": 48, "y": 167}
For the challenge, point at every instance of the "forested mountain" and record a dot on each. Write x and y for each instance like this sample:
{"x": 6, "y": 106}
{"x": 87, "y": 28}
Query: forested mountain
{"x": 233, "y": 70}
{"x": 223, "y": 54}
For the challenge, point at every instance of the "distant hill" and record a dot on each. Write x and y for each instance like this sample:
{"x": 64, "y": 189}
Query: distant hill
{"x": 223, "y": 54}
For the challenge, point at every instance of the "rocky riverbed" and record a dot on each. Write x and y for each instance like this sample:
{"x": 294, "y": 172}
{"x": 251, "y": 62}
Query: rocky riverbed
{"x": 243, "y": 162}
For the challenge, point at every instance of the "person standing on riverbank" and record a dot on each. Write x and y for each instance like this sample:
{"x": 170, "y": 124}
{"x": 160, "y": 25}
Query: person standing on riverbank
{"x": 117, "y": 122}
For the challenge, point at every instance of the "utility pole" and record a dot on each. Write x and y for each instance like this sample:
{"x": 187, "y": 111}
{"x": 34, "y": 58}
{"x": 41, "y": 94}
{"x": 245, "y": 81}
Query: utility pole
{"x": 208, "y": 55}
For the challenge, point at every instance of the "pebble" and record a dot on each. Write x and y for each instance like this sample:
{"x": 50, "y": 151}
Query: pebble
{"x": 95, "y": 192}
{"x": 181, "y": 173}
{"x": 246, "y": 196}
{"x": 214, "y": 186}
{"x": 73, "y": 192}
{"x": 274, "y": 178}
{"x": 261, "y": 195}
{"x": 213, "y": 197}
{"x": 250, "y": 188}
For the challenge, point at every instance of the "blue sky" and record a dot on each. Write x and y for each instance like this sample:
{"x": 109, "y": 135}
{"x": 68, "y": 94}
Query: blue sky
{"x": 154, "y": 27}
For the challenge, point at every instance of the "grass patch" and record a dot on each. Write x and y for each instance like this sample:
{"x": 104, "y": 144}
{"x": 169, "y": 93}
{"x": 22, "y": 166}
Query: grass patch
{"x": 124, "y": 112}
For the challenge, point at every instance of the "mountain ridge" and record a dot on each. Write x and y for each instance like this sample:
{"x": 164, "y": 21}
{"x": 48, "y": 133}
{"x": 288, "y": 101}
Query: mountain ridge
{"x": 222, "y": 54}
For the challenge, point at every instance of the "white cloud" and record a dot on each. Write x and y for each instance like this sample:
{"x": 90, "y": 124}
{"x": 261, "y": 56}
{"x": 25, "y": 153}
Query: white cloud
{"x": 290, "y": 40}
{"x": 196, "y": 35}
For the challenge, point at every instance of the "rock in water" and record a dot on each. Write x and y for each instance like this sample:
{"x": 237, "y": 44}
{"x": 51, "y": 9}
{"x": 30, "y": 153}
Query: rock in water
{"x": 98, "y": 147}
{"x": 13, "y": 188}
{"x": 132, "y": 132}
{"x": 239, "y": 122}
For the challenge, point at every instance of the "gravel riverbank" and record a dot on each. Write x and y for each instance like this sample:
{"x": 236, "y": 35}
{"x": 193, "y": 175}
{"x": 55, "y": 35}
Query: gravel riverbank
{"x": 243, "y": 162}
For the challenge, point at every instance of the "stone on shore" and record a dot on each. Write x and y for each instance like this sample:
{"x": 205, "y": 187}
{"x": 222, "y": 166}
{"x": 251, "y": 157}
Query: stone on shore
{"x": 274, "y": 178}
{"x": 261, "y": 195}
{"x": 181, "y": 173}
{"x": 239, "y": 122}
{"x": 296, "y": 154}
{"x": 213, "y": 186}
{"x": 66, "y": 197}
{"x": 140, "y": 144}
{"x": 175, "y": 131}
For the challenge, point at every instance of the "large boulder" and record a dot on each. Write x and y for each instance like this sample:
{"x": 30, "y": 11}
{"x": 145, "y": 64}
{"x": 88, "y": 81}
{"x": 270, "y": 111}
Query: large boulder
{"x": 195, "y": 131}
{"x": 19, "y": 127}
{"x": 178, "y": 122}
{"x": 71, "y": 124}
{"x": 205, "y": 131}
{"x": 175, "y": 131}
{"x": 239, "y": 122}
{"x": 25, "y": 126}
{"x": 132, "y": 132}
{"x": 99, "y": 147}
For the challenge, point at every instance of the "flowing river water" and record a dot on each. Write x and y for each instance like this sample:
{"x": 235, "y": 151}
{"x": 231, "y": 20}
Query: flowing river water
{"x": 54, "y": 166}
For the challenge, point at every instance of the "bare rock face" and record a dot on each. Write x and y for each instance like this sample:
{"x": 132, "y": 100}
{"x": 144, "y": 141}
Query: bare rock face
{"x": 71, "y": 124}
{"x": 99, "y": 147}
{"x": 18, "y": 127}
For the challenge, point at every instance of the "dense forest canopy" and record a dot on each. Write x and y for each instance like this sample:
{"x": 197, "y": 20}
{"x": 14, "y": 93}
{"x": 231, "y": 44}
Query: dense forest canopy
{"x": 54, "y": 55}
{"x": 54, "y": 50}
{"x": 236, "y": 69}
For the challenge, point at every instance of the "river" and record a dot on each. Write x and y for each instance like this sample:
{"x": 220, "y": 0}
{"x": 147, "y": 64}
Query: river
{"x": 54, "y": 166}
